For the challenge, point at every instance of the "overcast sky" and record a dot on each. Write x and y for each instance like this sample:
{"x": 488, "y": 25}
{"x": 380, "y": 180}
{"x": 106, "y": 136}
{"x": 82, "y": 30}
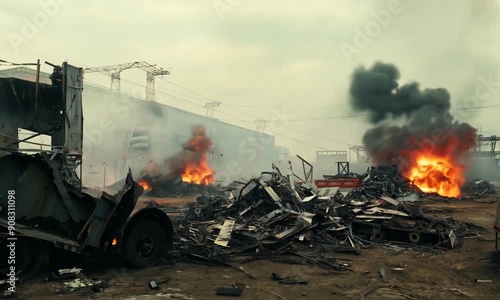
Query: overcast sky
{"x": 256, "y": 56}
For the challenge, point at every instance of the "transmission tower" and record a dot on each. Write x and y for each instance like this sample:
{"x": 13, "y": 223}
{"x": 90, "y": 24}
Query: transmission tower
{"x": 261, "y": 125}
{"x": 210, "y": 106}
{"x": 114, "y": 72}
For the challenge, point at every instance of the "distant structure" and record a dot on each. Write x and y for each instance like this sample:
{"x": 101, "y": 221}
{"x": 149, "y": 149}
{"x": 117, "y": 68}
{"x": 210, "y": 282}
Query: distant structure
{"x": 114, "y": 72}
{"x": 360, "y": 154}
{"x": 142, "y": 133}
{"x": 210, "y": 106}
{"x": 486, "y": 147}
{"x": 329, "y": 158}
{"x": 260, "y": 125}
{"x": 281, "y": 154}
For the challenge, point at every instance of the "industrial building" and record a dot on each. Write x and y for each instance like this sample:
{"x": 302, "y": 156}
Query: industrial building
{"x": 122, "y": 131}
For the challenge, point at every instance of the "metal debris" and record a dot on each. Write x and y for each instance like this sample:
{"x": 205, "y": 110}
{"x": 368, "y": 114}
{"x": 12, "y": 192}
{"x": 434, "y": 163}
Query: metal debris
{"x": 477, "y": 188}
{"x": 235, "y": 290}
{"x": 274, "y": 216}
{"x": 287, "y": 280}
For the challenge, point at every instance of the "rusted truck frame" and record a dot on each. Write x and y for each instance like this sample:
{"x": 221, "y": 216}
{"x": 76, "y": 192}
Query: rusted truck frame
{"x": 42, "y": 201}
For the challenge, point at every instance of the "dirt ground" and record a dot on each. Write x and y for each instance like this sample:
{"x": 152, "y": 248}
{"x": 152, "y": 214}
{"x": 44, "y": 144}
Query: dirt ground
{"x": 409, "y": 274}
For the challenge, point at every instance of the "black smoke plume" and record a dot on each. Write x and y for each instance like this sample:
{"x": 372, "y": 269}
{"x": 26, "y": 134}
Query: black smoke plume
{"x": 407, "y": 120}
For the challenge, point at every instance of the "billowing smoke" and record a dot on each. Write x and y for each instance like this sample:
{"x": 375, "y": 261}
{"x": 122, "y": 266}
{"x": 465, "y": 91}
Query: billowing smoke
{"x": 190, "y": 164}
{"x": 193, "y": 154}
{"x": 413, "y": 128}
{"x": 377, "y": 90}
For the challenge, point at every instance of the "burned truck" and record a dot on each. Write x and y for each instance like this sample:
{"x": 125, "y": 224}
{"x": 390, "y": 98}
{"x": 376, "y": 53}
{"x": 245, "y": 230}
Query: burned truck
{"x": 43, "y": 204}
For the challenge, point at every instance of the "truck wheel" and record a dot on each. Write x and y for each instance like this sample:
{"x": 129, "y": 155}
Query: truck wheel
{"x": 146, "y": 244}
{"x": 38, "y": 254}
{"x": 32, "y": 257}
{"x": 414, "y": 237}
{"x": 20, "y": 258}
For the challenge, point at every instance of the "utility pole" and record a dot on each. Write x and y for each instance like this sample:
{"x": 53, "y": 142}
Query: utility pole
{"x": 261, "y": 125}
{"x": 150, "y": 82}
{"x": 114, "y": 72}
{"x": 210, "y": 106}
{"x": 104, "y": 179}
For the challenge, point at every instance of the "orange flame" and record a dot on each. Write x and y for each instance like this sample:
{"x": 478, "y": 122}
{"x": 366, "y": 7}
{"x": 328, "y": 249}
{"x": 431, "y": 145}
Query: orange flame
{"x": 198, "y": 172}
{"x": 114, "y": 242}
{"x": 145, "y": 185}
{"x": 437, "y": 174}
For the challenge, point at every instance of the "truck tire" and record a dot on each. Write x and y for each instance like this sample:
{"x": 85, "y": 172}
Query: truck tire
{"x": 414, "y": 237}
{"x": 32, "y": 257}
{"x": 39, "y": 260}
{"x": 20, "y": 261}
{"x": 146, "y": 244}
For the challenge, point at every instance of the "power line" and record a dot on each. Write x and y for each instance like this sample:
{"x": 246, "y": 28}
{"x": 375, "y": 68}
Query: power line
{"x": 246, "y": 113}
{"x": 280, "y": 106}
{"x": 331, "y": 118}
{"x": 242, "y": 120}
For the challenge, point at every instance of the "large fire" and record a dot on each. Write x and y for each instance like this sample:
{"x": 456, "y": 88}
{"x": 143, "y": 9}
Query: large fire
{"x": 196, "y": 168}
{"x": 435, "y": 174}
{"x": 199, "y": 173}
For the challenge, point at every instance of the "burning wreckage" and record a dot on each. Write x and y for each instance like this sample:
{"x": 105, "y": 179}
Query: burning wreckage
{"x": 279, "y": 217}
{"x": 276, "y": 214}
{"x": 188, "y": 171}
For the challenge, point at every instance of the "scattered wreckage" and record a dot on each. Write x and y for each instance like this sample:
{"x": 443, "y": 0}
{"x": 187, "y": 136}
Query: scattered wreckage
{"x": 278, "y": 215}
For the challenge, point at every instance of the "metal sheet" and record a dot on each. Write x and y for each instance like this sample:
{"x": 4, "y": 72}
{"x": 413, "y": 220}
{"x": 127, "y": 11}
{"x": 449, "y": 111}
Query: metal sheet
{"x": 225, "y": 233}
{"x": 373, "y": 217}
{"x": 74, "y": 110}
{"x": 386, "y": 211}
{"x": 307, "y": 199}
{"x": 390, "y": 200}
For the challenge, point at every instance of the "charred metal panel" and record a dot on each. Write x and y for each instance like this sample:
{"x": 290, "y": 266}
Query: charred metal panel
{"x": 71, "y": 134}
{"x": 38, "y": 200}
{"x": 111, "y": 211}
{"x": 63, "y": 192}
{"x": 99, "y": 219}
{"x": 58, "y": 240}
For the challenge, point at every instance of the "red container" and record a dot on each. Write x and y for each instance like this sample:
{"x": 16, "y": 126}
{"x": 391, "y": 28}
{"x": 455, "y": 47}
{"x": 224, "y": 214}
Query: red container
{"x": 341, "y": 183}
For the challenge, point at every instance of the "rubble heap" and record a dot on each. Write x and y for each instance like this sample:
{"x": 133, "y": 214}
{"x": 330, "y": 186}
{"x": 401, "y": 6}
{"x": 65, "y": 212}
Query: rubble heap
{"x": 274, "y": 215}
{"x": 478, "y": 187}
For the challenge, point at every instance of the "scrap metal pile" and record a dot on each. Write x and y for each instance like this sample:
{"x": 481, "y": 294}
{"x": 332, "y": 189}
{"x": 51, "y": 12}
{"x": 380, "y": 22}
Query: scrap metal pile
{"x": 274, "y": 215}
{"x": 478, "y": 187}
